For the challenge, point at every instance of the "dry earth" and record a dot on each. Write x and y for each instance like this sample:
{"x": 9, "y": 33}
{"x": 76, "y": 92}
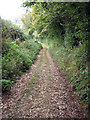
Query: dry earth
{"x": 42, "y": 92}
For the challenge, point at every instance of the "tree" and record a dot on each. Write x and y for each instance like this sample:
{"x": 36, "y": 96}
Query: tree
{"x": 69, "y": 20}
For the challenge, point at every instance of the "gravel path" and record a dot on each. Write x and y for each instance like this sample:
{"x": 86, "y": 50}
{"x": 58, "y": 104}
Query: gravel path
{"x": 42, "y": 92}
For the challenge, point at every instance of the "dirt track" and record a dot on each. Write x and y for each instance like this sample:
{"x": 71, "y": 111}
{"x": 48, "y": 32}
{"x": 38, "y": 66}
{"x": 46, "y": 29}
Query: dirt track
{"x": 42, "y": 92}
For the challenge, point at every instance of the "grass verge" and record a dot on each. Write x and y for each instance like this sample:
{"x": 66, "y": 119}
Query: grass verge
{"x": 75, "y": 65}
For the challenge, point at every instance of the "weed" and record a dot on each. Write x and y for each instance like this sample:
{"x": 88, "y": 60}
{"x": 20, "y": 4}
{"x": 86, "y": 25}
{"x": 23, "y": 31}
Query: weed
{"x": 74, "y": 64}
{"x": 18, "y": 58}
{"x": 47, "y": 61}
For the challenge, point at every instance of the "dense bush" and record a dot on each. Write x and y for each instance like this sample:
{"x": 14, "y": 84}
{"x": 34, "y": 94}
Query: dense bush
{"x": 10, "y": 30}
{"x": 18, "y": 53}
{"x": 6, "y": 84}
{"x": 17, "y": 58}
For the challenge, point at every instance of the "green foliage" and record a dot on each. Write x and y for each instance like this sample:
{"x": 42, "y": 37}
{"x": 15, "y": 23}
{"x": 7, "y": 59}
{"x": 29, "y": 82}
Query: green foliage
{"x": 10, "y": 30}
{"x": 75, "y": 65}
{"x": 18, "y": 58}
{"x": 18, "y": 53}
{"x": 6, "y": 84}
{"x": 64, "y": 27}
{"x": 68, "y": 21}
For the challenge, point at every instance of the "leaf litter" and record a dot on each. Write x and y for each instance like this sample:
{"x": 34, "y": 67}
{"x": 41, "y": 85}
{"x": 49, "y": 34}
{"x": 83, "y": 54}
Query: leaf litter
{"x": 48, "y": 96}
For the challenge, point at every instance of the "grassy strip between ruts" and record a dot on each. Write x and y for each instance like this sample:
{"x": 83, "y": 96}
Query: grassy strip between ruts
{"x": 47, "y": 61}
{"x": 40, "y": 63}
{"x": 31, "y": 83}
{"x": 34, "y": 78}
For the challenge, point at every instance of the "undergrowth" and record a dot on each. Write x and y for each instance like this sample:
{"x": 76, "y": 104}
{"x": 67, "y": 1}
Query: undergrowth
{"x": 18, "y": 53}
{"x": 16, "y": 59}
{"x": 75, "y": 65}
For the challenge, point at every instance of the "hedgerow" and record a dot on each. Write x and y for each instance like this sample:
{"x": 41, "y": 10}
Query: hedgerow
{"x": 17, "y": 54}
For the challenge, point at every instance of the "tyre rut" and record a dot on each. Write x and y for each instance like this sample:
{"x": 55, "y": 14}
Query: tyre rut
{"x": 49, "y": 97}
